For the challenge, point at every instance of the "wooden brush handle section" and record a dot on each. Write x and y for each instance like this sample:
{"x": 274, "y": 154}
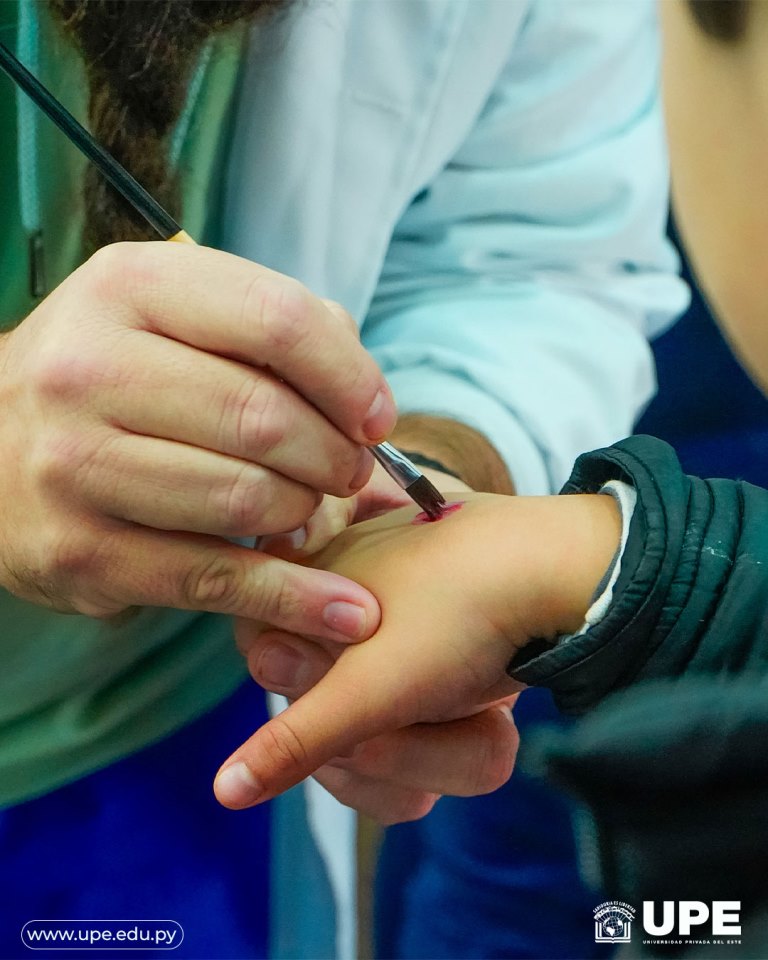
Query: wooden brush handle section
{"x": 181, "y": 237}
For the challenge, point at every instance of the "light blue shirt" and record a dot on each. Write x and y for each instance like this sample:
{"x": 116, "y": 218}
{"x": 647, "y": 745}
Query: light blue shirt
{"x": 483, "y": 185}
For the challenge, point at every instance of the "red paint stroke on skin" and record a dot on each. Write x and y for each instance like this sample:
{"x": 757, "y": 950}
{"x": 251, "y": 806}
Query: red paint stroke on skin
{"x": 445, "y": 511}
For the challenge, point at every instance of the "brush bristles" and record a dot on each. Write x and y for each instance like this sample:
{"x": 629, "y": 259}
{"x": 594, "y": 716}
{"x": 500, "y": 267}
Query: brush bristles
{"x": 428, "y": 497}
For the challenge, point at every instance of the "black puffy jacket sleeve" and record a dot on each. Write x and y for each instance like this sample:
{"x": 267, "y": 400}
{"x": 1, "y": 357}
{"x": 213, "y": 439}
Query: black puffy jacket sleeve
{"x": 692, "y": 594}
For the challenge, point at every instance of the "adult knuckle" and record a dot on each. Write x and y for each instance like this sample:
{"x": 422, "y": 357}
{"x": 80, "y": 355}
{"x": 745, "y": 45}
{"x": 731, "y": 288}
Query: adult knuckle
{"x": 105, "y": 262}
{"x": 70, "y": 568}
{"x": 120, "y": 268}
{"x": 282, "y": 309}
{"x": 71, "y": 556}
{"x": 78, "y": 464}
{"x": 63, "y": 374}
{"x": 56, "y": 458}
{"x": 289, "y": 507}
{"x": 358, "y": 380}
{"x": 258, "y": 418}
{"x": 280, "y": 603}
{"x": 236, "y": 503}
{"x": 215, "y": 583}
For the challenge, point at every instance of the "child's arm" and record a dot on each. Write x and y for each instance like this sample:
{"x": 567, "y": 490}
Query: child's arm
{"x": 459, "y": 597}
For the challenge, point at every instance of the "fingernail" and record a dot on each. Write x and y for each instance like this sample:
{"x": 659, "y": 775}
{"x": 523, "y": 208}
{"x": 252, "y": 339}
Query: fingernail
{"x": 279, "y": 666}
{"x": 363, "y": 471}
{"x": 346, "y": 618}
{"x": 236, "y": 786}
{"x": 380, "y": 417}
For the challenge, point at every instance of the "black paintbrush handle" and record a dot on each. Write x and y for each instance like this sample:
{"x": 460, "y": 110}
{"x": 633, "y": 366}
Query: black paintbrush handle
{"x": 114, "y": 172}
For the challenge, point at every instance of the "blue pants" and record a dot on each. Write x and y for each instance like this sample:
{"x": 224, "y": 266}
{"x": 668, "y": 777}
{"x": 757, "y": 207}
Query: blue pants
{"x": 145, "y": 839}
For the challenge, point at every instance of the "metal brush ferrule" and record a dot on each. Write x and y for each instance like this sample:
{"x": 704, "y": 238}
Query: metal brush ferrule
{"x": 399, "y": 467}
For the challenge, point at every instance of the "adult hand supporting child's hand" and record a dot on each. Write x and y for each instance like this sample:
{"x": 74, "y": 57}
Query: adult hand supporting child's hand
{"x": 458, "y": 598}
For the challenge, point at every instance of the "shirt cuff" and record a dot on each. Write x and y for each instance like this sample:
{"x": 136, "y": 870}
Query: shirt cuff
{"x": 437, "y": 392}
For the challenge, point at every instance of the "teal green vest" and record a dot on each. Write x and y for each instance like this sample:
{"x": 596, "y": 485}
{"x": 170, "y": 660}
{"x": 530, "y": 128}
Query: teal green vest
{"x": 76, "y": 693}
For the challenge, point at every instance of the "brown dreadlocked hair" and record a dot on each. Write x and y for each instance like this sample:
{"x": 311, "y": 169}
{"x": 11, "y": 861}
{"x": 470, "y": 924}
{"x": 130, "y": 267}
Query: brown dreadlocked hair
{"x": 139, "y": 57}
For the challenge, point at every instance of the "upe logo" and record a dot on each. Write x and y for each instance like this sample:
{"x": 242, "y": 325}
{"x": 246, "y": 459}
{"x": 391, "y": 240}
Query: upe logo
{"x": 613, "y": 922}
{"x": 723, "y": 917}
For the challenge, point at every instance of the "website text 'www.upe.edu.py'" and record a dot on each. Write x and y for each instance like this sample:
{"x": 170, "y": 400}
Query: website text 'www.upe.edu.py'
{"x": 114, "y": 934}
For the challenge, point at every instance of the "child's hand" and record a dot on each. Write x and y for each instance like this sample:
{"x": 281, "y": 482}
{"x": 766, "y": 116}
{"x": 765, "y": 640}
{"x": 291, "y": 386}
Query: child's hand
{"x": 458, "y": 598}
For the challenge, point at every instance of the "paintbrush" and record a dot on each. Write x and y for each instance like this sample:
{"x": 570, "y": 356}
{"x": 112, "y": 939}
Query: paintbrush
{"x": 405, "y": 473}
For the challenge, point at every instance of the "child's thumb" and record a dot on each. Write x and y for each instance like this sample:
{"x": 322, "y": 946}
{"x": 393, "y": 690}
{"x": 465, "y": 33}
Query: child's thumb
{"x": 349, "y": 705}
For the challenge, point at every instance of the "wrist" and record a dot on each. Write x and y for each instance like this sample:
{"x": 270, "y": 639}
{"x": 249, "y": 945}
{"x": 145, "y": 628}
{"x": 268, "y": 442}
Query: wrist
{"x": 462, "y": 451}
{"x": 556, "y": 551}
{"x": 589, "y": 536}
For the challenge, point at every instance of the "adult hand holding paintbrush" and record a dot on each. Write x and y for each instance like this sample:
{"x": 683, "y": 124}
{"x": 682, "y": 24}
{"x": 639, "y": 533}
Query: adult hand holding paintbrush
{"x": 180, "y": 568}
{"x": 167, "y": 396}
